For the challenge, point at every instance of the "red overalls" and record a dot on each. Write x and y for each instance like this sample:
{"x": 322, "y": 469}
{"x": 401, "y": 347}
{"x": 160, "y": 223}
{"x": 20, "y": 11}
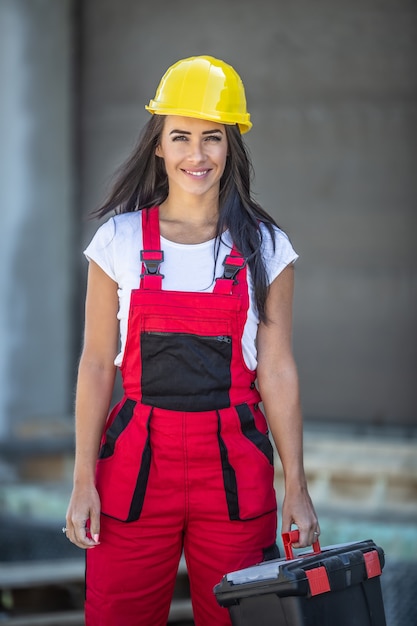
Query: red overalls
{"x": 185, "y": 461}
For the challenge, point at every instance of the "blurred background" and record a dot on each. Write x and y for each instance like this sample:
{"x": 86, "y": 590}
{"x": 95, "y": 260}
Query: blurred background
{"x": 331, "y": 87}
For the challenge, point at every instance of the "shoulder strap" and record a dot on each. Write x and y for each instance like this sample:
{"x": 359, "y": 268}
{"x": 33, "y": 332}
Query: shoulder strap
{"x": 151, "y": 256}
{"x": 233, "y": 263}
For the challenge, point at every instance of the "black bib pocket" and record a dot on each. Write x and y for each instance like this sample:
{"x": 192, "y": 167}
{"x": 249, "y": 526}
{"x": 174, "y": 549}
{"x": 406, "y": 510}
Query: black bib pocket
{"x": 184, "y": 371}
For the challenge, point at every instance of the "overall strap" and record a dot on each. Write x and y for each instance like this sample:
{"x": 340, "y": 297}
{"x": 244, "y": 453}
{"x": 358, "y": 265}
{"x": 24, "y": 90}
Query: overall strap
{"x": 232, "y": 264}
{"x": 151, "y": 256}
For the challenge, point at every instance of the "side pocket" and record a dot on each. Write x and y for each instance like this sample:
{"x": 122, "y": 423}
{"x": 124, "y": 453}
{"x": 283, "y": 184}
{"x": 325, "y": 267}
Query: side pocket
{"x": 247, "y": 463}
{"x": 124, "y": 463}
{"x": 249, "y": 430}
{"x": 229, "y": 478}
{"x": 116, "y": 427}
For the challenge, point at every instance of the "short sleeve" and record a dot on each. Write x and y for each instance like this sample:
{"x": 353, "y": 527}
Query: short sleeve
{"x": 276, "y": 259}
{"x": 101, "y": 249}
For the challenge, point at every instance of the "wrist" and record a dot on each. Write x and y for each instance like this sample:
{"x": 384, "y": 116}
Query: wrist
{"x": 84, "y": 476}
{"x": 295, "y": 480}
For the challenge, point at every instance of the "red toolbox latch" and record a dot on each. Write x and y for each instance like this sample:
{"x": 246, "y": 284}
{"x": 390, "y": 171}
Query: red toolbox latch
{"x": 372, "y": 564}
{"x": 318, "y": 580}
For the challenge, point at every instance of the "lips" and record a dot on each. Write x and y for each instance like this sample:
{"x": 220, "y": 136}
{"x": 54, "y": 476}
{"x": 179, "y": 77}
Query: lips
{"x": 196, "y": 173}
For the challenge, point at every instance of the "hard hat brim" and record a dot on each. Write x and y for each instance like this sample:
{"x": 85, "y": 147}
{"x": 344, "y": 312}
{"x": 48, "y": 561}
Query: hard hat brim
{"x": 222, "y": 118}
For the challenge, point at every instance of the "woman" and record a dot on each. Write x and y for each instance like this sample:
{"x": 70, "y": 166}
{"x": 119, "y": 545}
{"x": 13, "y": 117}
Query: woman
{"x": 198, "y": 280}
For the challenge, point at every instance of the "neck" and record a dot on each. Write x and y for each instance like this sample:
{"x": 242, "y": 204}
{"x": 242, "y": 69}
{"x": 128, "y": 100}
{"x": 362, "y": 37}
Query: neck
{"x": 188, "y": 223}
{"x": 190, "y": 207}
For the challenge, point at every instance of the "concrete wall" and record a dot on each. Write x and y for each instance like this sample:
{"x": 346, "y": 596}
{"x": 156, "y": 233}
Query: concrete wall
{"x": 35, "y": 217}
{"x": 332, "y": 92}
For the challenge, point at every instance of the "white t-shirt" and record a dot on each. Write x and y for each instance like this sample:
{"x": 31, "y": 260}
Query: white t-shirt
{"x": 116, "y": 249}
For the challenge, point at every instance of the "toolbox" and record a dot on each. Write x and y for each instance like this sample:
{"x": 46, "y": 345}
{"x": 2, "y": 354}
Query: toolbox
{"x": 332, "y": 586}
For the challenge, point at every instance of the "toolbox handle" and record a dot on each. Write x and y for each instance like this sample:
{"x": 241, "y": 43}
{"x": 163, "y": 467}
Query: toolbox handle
{"x": 292, "y": 537}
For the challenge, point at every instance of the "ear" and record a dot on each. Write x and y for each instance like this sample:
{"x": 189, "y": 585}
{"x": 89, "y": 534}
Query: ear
{"x": 158, "y": 151}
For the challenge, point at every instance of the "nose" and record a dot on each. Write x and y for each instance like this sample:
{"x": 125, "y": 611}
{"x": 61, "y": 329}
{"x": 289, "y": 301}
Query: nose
{"x": 197, "y": 153}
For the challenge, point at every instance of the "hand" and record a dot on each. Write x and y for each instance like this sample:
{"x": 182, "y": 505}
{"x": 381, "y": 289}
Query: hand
{"x": 298, "y": 509}
{"x": 83, "y": 517}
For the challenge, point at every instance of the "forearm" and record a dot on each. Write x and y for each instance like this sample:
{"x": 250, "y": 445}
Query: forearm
{"x": 280, "y": 395}
{"x": 94, "y": 391}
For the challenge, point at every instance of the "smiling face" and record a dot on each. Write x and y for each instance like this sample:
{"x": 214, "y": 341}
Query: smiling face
{"x": 194, "y": 153}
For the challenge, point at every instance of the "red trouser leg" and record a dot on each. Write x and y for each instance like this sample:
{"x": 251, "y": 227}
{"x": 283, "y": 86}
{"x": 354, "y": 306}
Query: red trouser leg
{"x": 131, "y": 575}
{"x": 213, "y": 549}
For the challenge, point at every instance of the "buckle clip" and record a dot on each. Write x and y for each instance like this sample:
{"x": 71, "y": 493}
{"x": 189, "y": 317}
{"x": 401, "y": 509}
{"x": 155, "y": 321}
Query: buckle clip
{"x": 152, "y": 260}
{"x": 232, "y": 265}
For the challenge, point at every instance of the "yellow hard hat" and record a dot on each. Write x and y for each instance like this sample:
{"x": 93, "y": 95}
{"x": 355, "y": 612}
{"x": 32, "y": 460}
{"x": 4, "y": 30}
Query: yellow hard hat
{"x": 205, "y": 88}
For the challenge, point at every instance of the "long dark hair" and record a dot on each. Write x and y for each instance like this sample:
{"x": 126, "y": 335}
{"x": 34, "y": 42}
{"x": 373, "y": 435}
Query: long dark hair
{"x": 141, "y": 182}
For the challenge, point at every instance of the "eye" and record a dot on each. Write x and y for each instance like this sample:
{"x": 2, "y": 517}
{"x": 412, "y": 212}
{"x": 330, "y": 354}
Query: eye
{"x": 213, "y": 138}
{"x": 180, "y": 138}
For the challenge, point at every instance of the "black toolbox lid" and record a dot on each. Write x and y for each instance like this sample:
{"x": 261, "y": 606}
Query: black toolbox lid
{"x": 334, "y": 568}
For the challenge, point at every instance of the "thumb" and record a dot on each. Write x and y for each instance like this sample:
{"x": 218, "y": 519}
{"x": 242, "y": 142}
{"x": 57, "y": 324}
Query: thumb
{"x": 286, "y": 519}
{"x": 95, "y": 525}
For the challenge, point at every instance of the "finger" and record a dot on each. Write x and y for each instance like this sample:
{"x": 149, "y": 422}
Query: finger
{"x": 316, "y": 533}
{"x": 313, "y": 534}
{"x": 82, "y": 535}
{"x": 78, "y": 534}
{"x": 304, "y": 538}
{"x": 307, "y": 534}
{"x": 80, "y": 530}
{"x": 286, "y": 521}
{"x": 95, "y": 527}
{"x": 286, "y": 526}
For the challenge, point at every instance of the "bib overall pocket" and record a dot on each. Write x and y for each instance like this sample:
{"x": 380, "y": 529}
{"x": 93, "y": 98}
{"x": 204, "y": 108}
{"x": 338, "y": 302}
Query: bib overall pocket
{"x": 124, "y": 461}
{"x": 185, "y": 372}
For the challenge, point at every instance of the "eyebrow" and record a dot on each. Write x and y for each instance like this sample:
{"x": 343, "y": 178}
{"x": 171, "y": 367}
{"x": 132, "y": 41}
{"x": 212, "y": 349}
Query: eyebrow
{"x": 187, "y": 132}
